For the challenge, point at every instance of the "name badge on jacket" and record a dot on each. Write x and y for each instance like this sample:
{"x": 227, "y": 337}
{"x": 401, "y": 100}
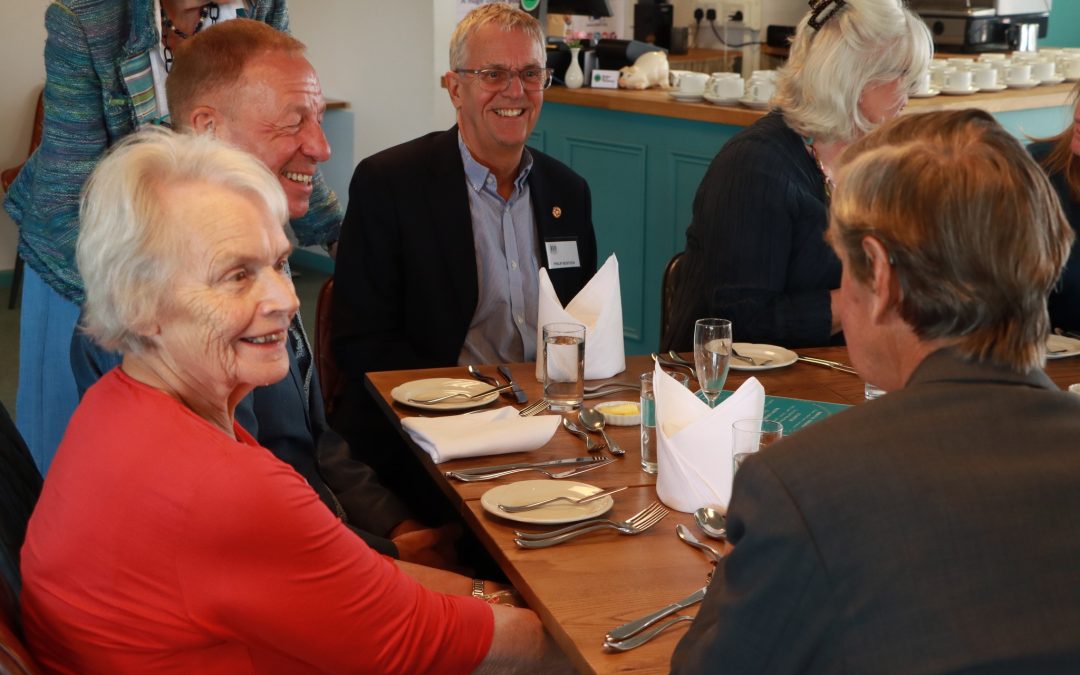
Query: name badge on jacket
{"x": 562, "y": 254}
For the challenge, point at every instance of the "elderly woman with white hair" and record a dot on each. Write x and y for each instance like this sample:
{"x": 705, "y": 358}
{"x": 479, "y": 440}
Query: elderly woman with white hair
{"x": 165, "y": 538}
{"x": 755, "y": 251}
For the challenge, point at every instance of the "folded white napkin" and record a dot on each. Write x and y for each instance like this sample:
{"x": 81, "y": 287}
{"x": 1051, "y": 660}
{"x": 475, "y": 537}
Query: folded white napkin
{"x": 694, "y": 442}
{"x": 598, "y": 307}
{"x": 492, "y": 432}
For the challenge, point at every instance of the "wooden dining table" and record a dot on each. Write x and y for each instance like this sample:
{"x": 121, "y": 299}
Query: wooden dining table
{"x": 584, "y": 588}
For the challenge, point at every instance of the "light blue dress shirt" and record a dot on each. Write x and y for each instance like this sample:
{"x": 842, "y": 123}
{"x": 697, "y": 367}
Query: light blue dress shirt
{"x": 503, "y": 328}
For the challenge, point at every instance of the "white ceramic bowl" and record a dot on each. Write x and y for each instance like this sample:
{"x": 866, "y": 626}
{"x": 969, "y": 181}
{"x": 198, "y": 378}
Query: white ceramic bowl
{"x": 615, "y": 413}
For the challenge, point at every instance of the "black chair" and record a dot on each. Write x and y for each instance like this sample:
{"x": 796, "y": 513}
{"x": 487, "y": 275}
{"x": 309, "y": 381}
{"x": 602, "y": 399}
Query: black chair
{"x": 20, "y": 486}
{"x": 668, "y": 288}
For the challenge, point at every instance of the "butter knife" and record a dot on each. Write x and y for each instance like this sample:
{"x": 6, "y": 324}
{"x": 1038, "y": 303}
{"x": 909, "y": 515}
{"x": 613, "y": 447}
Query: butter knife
{"x": 634, "y": 627}
{"x": 481, "y": 470}
{"x": 519, "y": 394}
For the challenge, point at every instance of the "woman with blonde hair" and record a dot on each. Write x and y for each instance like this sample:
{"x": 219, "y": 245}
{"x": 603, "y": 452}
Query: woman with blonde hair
{"x": 755, "y": 251}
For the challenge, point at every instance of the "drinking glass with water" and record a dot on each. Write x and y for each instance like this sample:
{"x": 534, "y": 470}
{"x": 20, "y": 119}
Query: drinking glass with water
{"x": 564, "y": 365}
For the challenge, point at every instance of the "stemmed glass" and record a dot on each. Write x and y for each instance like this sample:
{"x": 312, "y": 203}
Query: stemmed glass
{"x": 712, "y": 353}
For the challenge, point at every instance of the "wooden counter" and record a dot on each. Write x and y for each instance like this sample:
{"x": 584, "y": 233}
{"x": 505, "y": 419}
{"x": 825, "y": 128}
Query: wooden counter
{"x": 657, "y": 102}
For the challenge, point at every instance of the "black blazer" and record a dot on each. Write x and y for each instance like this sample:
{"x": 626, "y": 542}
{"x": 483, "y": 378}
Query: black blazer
{"x": 405, "y": 284}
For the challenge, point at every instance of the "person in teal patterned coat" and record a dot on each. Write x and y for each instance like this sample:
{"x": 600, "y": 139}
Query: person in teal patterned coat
{"x": 106, "y": 64}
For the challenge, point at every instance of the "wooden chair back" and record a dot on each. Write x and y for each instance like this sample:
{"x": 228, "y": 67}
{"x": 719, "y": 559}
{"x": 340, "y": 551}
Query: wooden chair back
{"x": 668, "y": 288}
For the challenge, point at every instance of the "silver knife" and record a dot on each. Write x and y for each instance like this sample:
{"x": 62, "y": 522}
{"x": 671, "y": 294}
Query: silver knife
{"x": 480, "y": 470}
{"x": 518, "y": 393}
{"x": 634, "y": 627}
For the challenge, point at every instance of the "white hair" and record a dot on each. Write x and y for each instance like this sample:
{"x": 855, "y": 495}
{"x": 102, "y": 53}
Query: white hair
{"x": 126, "y": 251}
{"x": 505, "y": 17}
{"x": 862, "y": 43}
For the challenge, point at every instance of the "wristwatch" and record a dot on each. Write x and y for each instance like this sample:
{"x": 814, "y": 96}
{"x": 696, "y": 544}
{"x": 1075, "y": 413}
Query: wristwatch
{"x": 507, "y": 597}
{"x": 478, "y": 589}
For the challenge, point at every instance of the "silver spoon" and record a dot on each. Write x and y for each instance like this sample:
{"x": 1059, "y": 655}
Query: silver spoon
{"x": 671, "y": 364}
{"x": 687, "y": 536}
{"x": 592, "y": 419}
{"x": 483, "y": 378}
{"x": 712, "y": 522}
{"x": 590, "y": 444}
{"x": 677, "y": 358}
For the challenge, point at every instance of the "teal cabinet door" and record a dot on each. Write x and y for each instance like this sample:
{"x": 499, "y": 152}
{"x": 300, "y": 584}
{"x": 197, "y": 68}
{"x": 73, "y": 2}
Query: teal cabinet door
{"x": 643, "y": 172}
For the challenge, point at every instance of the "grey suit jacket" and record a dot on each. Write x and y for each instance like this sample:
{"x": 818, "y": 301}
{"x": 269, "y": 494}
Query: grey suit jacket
{"x": 934, "y": 530}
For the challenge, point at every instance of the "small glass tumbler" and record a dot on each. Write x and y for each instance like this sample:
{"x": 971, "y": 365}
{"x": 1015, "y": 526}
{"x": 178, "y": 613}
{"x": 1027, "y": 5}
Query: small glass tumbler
{"x": 564, "y": 365}
{"x": 873, "y": 391}
{"x": 648, "y": 418}
{"x": 750, "y": 435}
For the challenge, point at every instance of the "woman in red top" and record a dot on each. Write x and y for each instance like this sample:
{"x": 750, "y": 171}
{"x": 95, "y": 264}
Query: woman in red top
{"x": 166, "y": 539}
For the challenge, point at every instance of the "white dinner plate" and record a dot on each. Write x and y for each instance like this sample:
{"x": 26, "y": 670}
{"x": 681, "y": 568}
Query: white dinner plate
{"x": 780, "y": 357}
{"x": 529, "y": 491}
{"x": 440, "y": 386}
{"x": 1058, "y": 342}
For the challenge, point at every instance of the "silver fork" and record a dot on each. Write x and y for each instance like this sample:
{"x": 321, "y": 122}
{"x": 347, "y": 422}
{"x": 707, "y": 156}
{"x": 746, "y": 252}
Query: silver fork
{"x": 456, "y": 394}
{"x": 544, "y": 502}
{"x": 635, "y": 524}
{"x": 749, "y": 359}
{"x": 586, "y": 523}
{"x": 473, "y": 478}
{"x": 590, "y": 444}
{"x": 642, "y": 638}
{"x": 534, "y": 408}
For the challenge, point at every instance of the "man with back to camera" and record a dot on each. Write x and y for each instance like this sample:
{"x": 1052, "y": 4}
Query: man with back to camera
{"x": 271, "y": 105}
{"x": 445, "y": 234}
{"x": 932, "y": 530}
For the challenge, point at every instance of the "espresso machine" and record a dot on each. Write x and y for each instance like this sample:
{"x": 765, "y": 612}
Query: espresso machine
{"x": 970, "y": 26}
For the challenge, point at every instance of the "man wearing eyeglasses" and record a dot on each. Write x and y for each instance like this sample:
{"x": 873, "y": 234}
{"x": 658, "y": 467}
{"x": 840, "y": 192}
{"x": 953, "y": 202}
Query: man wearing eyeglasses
{"x": 444, "y": 235}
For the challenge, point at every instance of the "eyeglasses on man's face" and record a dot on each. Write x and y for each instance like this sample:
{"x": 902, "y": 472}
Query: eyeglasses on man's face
{"x": 498, "y": 79}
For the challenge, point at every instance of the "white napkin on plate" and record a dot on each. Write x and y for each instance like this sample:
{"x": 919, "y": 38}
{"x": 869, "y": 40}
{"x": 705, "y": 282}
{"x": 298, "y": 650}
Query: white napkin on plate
{"x": 694, "y": 442}
{"x": 598, "y": 307}
{"x": 492, "y": 432}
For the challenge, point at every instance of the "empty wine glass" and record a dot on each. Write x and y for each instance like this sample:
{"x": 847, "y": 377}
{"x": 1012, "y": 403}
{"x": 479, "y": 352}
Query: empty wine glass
{"x": 712, "y": 353}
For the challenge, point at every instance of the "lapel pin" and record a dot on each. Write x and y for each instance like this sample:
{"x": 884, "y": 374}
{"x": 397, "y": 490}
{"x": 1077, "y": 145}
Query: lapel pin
{"x": 556, "y": 211}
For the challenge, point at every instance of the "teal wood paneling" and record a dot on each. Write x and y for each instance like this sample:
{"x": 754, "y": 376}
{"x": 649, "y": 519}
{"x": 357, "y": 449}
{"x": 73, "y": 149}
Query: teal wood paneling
{"x": 1041, "y": 123}
{"x": 643, "y": 171}
{"x": 621, "y": 229}
{"x": 1063, "y": 30}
